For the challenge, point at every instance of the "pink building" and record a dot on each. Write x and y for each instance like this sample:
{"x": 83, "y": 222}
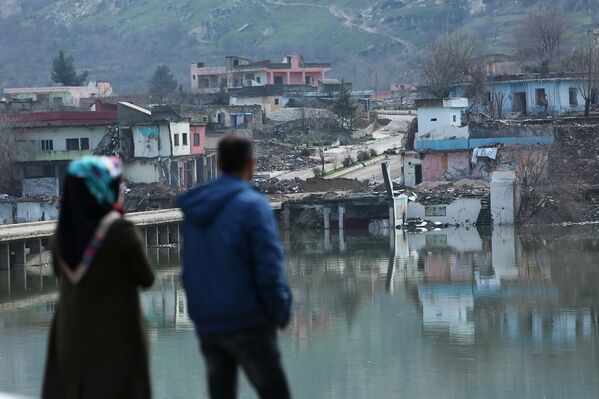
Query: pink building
{"x": 242, "y": 72}
{"x": 198, "y": 138}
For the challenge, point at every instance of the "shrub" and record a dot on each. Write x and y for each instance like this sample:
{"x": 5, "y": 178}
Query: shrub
{"x": 305, "y": 152}
{"x": 317, "y": 171}
{"x": 347, "y": 162}
{"x": 363, "y": 156}
{"x": 373, "y": 152}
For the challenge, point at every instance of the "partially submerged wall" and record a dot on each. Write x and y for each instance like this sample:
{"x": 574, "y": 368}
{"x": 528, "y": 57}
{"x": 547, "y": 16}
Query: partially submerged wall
{"x": 462, "y": 211}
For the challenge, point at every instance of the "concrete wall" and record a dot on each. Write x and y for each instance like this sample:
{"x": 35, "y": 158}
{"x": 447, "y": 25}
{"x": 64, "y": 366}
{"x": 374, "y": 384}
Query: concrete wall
{"x": 151, "y": 141}
{"x": 446, "y": 166}
{"x": 142, "y": 171}
{"x": 201, "y": 131}
{"x": 59, "y": 135}
{"x": 48, "y": 186}
{"x": 463, "y": 211}
{"x": 268, "y": 103}
{"x": 36, "y": 211}
{"x": 503, "y": 187}
{"x": 432, "y": 118}
{"x": 180, "y": 129}
{"x": 6, "y": 213}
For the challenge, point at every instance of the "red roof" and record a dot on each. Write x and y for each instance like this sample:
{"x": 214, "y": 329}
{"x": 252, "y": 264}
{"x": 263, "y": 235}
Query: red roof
{"x": 63, "y": 118}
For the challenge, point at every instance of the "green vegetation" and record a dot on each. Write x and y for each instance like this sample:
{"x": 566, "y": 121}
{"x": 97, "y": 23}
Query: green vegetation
{"x": 64, "y": 73}
{"x": 122, "y": 41}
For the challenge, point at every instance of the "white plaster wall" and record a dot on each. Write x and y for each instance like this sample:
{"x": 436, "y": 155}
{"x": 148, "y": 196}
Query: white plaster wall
{"x": 60, "y": 134}
{"x": 502, "y": 197}
{"x": 6, "y": 213}
{"x": 142, "y": 172}
{"x": 463, "y": 211}
{"x": 444, "y": 117}
{"x": 409, "y": 170}
{"x": 147, "y": 147}
{"x": 36, "y": 211}
{"x": 180, "y": 128}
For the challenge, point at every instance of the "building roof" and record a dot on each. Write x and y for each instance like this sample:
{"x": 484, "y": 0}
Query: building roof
{"x": 135, "y": 107}
{"x": 269, "y": 90}
{"x": 454, "y": 102}
{"x": 331, "y": 81}
{"x": 76, "y": 118}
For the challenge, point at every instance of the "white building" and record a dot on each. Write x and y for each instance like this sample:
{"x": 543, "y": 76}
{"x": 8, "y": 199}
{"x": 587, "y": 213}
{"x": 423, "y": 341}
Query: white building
{"x": 440, "y": 113}
{"x": 60, "y": 95}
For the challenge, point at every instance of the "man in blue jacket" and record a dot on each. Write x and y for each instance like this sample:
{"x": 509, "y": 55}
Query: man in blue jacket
{"x": 234, "y": 278}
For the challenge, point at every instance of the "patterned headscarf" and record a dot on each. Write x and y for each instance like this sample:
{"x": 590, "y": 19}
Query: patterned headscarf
{"x": 98, "y": 173}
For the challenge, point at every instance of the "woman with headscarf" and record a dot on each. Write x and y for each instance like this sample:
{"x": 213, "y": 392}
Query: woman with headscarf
{"x": 98, "y": 341}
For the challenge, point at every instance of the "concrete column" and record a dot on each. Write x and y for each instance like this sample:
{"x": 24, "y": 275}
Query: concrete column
{"x": 342, "y": 243}
{"x": 327, "y": 218}
{"x": 18, "y": 249}
{"x": 503, "y": 187}
{"x": 286, "y": 218}
{"x": 4, "y": 257}
{"x": 327, "y": 240}
{"x": 341, "y": 216}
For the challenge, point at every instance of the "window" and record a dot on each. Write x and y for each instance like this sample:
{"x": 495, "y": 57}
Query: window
{"x": 176, "y": 139}
{"x": 47, "y": 145}
{"x": 257, "y": 79}
{"x": 84, "y": 143}
{"x": 309, "y": 80}
{"x": 57, "y": 100}
{"x": 433, "y": 119}
{"x": 193, "y": 77}
{"x": 196, "y": 139}
{"x": 184, "y": 138}
{"x": 541, "y": 98}
{"x": 573, "y": 92}
{"x": 235, "y": 62}
{"x": 278, "y": 80}
{"x": 276, "y": 101}
{"x": 455, "y": 118}
{"x": 72, "y": 144}
{"x": 435, "y": 210}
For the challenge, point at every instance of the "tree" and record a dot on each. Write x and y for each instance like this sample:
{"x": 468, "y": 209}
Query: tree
{"x": 447, "y": 61}
{"x": 10, "y": 176}
{"x": 585, "y": 62}
{"x": 63, "y": 71}
{"x": 541, "y": 35}
{"x": 344, "y": 107}
{"x": 163, "y": 83}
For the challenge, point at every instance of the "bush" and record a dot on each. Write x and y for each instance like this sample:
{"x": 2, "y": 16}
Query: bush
{"x": 347, "y": 162}
{"x": 363, "y": 156}
{"x": 305, "y": 152}
{"x": 373, "y": 152}
{"x": 317, "y": 171}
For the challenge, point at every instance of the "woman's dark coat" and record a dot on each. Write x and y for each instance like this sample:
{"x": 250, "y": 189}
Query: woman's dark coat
{"x": 98, "y": 342}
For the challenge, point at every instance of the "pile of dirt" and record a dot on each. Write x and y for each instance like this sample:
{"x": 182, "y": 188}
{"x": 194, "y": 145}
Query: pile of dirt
{"x": 140, "y": 197}
{"x": 276, "y": 186}
{"x": 313, "y": 185}
{"x": 272, "y": 156}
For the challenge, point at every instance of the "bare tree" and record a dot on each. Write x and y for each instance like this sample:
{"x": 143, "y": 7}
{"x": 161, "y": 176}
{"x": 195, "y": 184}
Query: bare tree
{"x": 447, "y": 61}
{"x": 585, "y": 62}
{"x": 9, "y": 154}
{"x": 531, "y": 164}
{"x": 541, "y": 35}
{"x": 495, "y": 102}
{"x": 321, "y": 156}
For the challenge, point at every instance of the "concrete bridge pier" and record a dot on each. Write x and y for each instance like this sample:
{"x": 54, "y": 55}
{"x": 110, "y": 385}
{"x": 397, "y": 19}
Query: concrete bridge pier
{"x": 18, "y": 250}
{"x": 327, "y": 218}
{"x": 4, "y": 256}
{"x": 342, "y": 243}
{"x": 327, "y": 240}
{"x": 341, "y": 213}
{"x": 152, "y": 236}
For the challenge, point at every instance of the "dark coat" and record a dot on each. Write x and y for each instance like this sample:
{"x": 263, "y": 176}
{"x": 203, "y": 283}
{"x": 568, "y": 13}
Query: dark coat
{"x": 233, "y": 265}
{"x": 98, "y": 342}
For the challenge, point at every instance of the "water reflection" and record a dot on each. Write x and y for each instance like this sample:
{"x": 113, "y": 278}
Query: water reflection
{"x": 453, "y": 313}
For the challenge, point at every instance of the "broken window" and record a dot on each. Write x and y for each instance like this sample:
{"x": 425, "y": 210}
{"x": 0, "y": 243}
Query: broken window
{"x": 235, "y": 62}
{"x": 276, "y": 101}
{"x": 541, "y": 97}
{"x": 196, "y": 139}
{"x": 455, "y": 118}
{"x": 433, "y": 119}
{"x": 278, "y": 80}
{"x": 435, "y": 210}
{"x": 193, "y": 77}
{"x": 184, "y": 138}
{"x": 573, "y": 96}
{"x": 176, "y": 137}
{"x": 257, "y": 79}
{"x": 47, "y": 145}
{"x": 84, "y": 143}
{"x": 72, "y": 144}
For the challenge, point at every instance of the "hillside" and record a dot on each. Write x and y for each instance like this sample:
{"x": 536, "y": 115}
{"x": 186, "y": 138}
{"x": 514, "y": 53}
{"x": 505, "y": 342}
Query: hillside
{"x": 123, "y": 40}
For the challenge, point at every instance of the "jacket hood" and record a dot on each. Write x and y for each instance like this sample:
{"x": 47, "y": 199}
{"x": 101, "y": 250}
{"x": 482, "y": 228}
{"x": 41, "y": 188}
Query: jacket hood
{"x": 203, "y": 204}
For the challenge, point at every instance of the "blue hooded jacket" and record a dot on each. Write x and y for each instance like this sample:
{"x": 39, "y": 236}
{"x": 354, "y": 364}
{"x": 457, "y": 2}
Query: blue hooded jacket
{"x": 233, "y": 265}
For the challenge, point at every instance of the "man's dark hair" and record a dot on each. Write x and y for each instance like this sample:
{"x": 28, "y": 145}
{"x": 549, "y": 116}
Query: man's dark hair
{"x": 234, "y": 153}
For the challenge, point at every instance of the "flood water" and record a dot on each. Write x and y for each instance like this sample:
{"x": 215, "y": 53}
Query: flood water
{"x": 445, "y": 314}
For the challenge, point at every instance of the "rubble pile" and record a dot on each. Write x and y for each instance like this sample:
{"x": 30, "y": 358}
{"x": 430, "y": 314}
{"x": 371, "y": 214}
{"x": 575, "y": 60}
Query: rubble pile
{"x": 444, "y": 192}
{"x": 273, "y": 156}
{"x": 141, "y": 197}
{"x": 276, "y": 186}
{"x": 314, "y": 185}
